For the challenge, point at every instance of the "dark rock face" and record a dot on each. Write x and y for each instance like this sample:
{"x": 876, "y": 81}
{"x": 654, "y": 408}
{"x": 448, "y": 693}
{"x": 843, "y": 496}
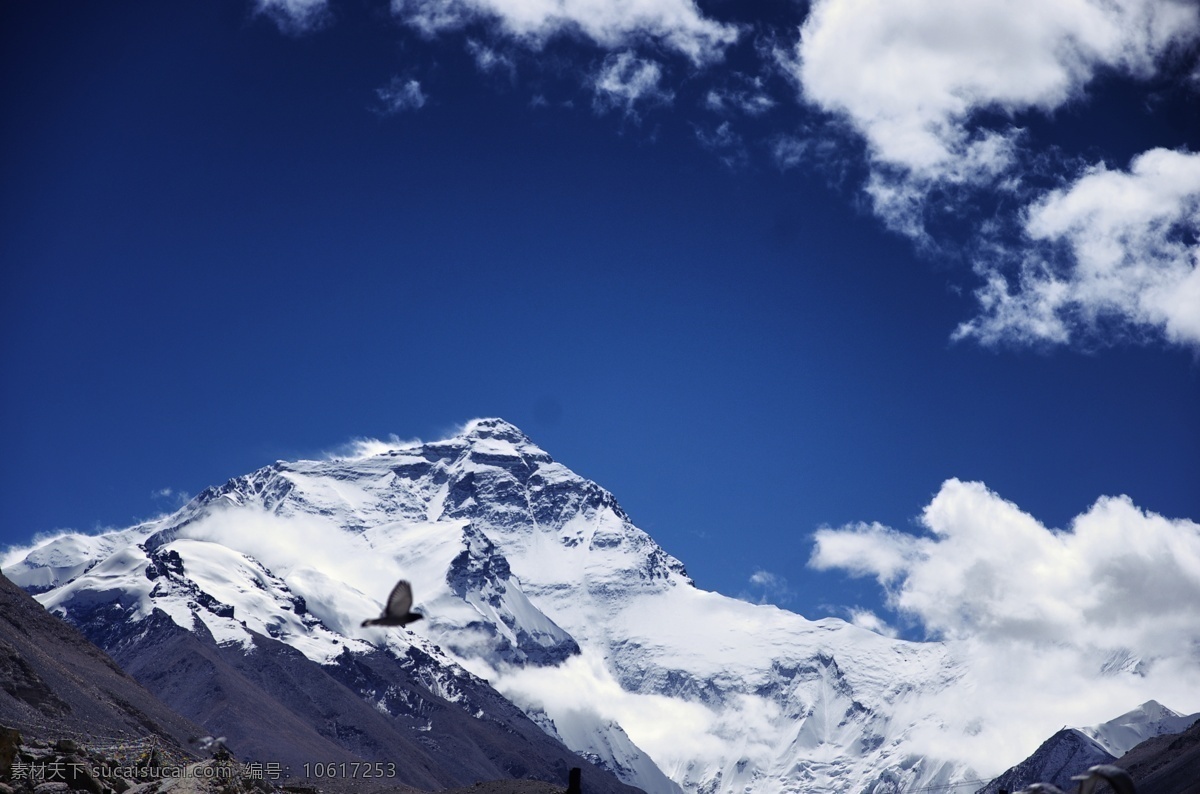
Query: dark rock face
{"x": 1068, "y": 752}
{"x": 53, "y": 681}
{"x": 1166, "y": 764}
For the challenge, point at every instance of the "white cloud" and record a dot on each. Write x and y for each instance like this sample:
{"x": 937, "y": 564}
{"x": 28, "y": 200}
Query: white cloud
{"x": 935, "y": 89}
{"x": 624, "y": 81}
{"x": 489, "y": 60}
{"x": 865, "y": 549}
{"x": 1119, "y": 578}
{"x": 673, "y": 731}
{"x": 583, "y": 686}
{"x": 401, "y": 94}
{"x": 171, "y": 496}
{"x": 368, "y": 447}
{"x": 866, "y": 619}
{"x": 678, "y": 24}
{"x": 1113, "y": 245}
{"x": 912, "y": 76}
{"x": 747, "y": 95}
{"x": 1037, "y": 614}
{"x": 767, "y": 588}
{"x": 788, "y": 151}
{"x": 294, "y": 16}
{"x": 725, "y": 143}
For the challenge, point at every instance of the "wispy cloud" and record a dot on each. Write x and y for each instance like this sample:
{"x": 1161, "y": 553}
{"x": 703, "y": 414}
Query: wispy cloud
{"x": 766, "y": 587}
{"x": 489, "y": 60}
{"x": 624, "y": 81}
{"x": 725, "y": 143}
{"x": 742, "y": 95}
{"x": 676, "y": 24}
{"x": 401, "y": 94}
{"x": 172, "y": 497}
{"x": 368, "y": 447}
{"x": 295, "y": 16}
{"x": 866, "y": 619}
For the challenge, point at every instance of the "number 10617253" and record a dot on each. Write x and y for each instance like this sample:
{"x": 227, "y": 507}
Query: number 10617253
{"x": 353, "y": 769}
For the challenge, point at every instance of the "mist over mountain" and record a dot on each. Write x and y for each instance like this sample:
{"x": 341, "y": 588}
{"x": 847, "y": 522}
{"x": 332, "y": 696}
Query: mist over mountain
{"x": 550, "y": 619}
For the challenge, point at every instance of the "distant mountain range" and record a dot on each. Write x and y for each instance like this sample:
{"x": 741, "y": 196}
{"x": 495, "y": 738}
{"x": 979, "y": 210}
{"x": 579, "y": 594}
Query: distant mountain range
{"x": 552, "y": 622}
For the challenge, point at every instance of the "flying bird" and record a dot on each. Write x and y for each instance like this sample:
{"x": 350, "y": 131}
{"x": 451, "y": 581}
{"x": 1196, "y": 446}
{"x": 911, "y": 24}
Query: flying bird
{"x": 397, "y": 610}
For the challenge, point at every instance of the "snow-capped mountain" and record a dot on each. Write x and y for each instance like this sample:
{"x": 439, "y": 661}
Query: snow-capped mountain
{"x": 535, "y": 579}
{"x": 1120, "y": 734}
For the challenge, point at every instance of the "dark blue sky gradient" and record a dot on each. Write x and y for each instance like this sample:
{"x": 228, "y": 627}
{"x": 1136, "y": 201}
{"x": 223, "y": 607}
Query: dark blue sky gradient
{"x": 217, "y": 253}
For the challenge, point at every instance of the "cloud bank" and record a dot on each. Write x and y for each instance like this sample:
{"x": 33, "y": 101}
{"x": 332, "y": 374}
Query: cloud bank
{"x": 1118, "y": 578}
{"x": 1056, "y": 625}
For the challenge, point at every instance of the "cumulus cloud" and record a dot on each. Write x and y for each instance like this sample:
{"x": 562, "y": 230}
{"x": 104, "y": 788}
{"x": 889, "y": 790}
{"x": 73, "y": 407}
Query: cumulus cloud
{"x": 624, "y": 81}
{"x": 912, "y": 76}
{"x": 1119, "y": 578}
{"x": 1113, "y": 245}
{"x": 677, "y": 24}
{"x": 401, "y": 94}
{"x": 1042, "y": 619}
{"x": 935, "y": 90}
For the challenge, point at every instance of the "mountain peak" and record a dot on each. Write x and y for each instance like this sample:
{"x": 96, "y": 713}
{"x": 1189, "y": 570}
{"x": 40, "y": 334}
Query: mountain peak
{"x": 494, "y": 428}
{"x": 1152, "y": 718}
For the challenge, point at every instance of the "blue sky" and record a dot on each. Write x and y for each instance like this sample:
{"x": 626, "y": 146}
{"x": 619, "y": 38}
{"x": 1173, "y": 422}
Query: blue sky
{"x": 756, "y": 268}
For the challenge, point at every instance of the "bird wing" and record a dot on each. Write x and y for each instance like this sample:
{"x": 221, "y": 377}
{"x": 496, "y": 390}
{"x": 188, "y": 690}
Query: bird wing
{"x": 400, "y": 600}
